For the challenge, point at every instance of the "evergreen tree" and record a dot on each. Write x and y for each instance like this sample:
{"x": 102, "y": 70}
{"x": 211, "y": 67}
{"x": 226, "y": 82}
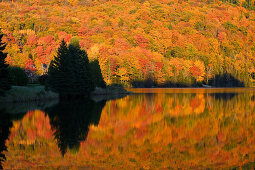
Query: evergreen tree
{"x": 69, "y": 73}
{"x": 4, "y": 70}
{"x": 97, "y": 76}
{"x": 83, "y": 82}
{"x": 60, "y": 73}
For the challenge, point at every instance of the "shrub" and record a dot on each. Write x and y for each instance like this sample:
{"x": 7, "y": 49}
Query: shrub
{"x": 18, "y": 76}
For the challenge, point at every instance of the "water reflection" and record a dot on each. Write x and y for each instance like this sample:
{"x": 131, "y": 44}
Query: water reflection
{"x": 5, "y": 125}
{"x": 71, "y": 121}
{"x": 214, "y": 129}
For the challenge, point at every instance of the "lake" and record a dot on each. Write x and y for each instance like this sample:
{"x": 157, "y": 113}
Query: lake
{"x": 151, "y": 129}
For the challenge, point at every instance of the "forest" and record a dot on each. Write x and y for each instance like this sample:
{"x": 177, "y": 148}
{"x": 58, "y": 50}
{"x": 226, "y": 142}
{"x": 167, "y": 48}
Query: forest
{"x": 170, "y": 42}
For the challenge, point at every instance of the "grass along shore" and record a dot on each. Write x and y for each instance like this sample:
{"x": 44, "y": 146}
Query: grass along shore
{"x": 27, "y": 94}
{"x": 38, "y": 93}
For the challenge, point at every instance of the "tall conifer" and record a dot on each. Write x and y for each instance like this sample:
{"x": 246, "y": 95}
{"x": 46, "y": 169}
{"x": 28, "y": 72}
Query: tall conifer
{"x": 69, "y": 73}
{"x": 60, "y": 74}
{"x": 97, "y": 76}
{"x": 83, "y": 81}
{"x": 4, "y": 70}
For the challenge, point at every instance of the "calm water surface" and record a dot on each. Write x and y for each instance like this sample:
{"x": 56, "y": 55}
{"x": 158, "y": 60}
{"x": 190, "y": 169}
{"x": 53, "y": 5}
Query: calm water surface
{"x": 153, "y": 129}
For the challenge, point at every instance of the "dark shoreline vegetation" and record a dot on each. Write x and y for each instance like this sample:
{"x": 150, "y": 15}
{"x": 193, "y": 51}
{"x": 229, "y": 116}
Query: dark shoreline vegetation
{"x": 221, "y": 81}
{"x": 34, "y": 94}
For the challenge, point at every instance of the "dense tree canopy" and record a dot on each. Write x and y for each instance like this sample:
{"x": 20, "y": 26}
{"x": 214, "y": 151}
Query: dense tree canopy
{"x": 185, "y": 42}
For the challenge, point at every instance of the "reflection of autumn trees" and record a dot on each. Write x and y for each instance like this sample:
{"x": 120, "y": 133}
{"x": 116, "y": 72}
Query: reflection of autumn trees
{"x": 29, "y": 134}
{"x": 182, "y": 130}
{"x": 160, "y": 130}
{"x": 48, "y": 135}
{"x": 71, "y": 122}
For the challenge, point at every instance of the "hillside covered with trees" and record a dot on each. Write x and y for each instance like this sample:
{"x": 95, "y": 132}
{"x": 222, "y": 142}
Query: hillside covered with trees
{"x": 181, "y": 42}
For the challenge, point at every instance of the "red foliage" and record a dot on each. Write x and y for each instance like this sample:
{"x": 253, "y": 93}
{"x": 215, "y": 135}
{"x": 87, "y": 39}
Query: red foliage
{"x": 48, "y": 40}
{"x": 195, "y": 71}
{"x": 30, "y": 66}
{"x": 31, "y": 40}
{"x": 141, "y": 41}
{"x": 85, "y": 43}
{"x": 122, "y": 44}
{"x": 113, "y": 65}
{"x": 221, "y": 36}
{"x": 64, "y": 36}
{"x": 159, "y": 66}
{"x": 143, "y": 63}
{"x": 39, "y": 51}
{"x": 104, "y": 52}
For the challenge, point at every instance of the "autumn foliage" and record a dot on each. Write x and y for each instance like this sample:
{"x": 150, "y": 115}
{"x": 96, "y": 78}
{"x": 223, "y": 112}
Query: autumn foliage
{"x": 186, "y": 42}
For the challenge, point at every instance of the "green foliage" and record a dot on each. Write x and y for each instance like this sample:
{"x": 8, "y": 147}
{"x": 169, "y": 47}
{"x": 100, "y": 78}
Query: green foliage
{"x": 247, "y": 15}
{"x": 236, "y": 2}
{"x": 230, "y": 146}
{"x": 170, "y": 3}
{"x": 175, "y": 52}
{"x": 18, "y": 76}
{"x": 170, "y": 27}
{"x": 4, "y": 72}
{"x": 132, "y": 11}
{"x": 121, "y": 22}
{"x": 243, "y": 30}
{"x": 226, "y": 50}
{"x": 199, "y": 26}
{"x": 231, "y": 27}
{"x": 248, "y": 5}
{"x": 69, "y": 72}
{"x": 186, "y": 16}
{"x": 74, "y": 41}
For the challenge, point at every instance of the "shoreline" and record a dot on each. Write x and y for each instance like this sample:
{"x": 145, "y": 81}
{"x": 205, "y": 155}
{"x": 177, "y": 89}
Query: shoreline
{"x": 23, "y": 94}
{"x": 26, "y": 94}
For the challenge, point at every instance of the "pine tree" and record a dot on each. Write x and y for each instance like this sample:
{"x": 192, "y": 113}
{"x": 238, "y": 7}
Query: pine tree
{"x": 83, "y": 82}
{"x": 69, "y": 73}
{"x": 60, "y": 73}
{"x": 97, "y": 76}
{"x": 5, "y": 80}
